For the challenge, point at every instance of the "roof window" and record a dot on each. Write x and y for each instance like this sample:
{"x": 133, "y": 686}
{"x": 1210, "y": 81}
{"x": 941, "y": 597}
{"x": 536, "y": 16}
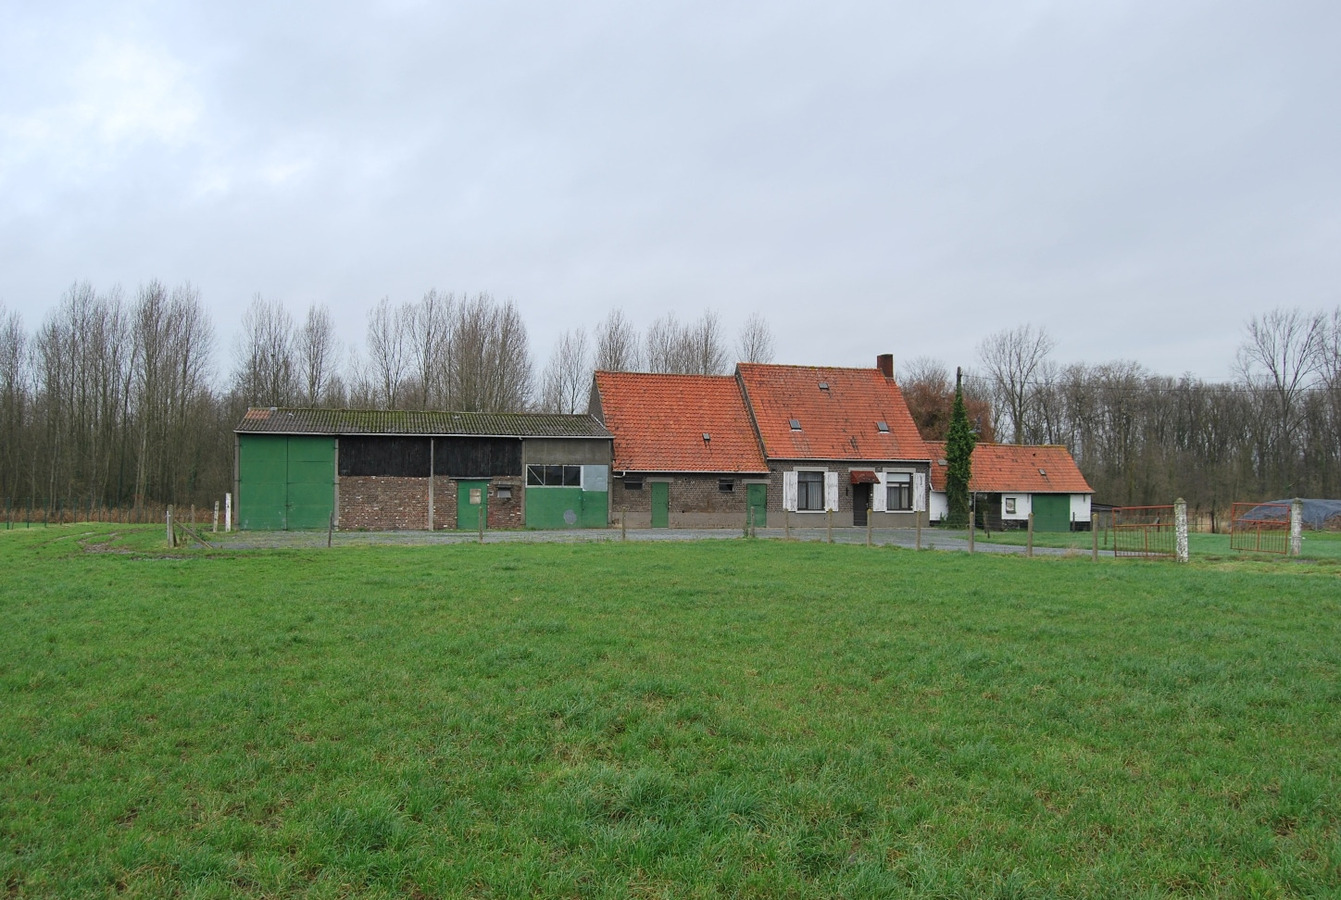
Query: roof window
{"x": 882, "y": 427}
{"x": 795, "y": 423}
{"x": 824, "y": 385}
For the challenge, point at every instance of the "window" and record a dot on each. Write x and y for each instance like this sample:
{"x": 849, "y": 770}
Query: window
{"x": 554, "y": 476}
{"x": 898, "y": 491}
{"x": 505, "y": 492}
{"x": 795, "y": 424}
{"x": 726, "y": 485}
{"x": 1010, "y": 506}
{"x": 633, "y": 482}
{"x": 810, "y": 490}
{"x": 882, "y": 427}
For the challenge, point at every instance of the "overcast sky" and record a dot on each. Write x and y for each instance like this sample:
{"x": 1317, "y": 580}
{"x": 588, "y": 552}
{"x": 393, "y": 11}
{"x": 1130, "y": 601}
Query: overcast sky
{"x": 1139, "y": 177}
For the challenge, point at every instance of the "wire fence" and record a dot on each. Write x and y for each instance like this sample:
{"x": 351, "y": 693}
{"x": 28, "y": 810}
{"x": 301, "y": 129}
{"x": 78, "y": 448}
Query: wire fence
{"x": 25, "y": 514}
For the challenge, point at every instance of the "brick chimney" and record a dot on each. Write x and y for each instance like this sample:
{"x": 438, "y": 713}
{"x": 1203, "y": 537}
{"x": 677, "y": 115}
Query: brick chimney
{"x": 885, "y": 363}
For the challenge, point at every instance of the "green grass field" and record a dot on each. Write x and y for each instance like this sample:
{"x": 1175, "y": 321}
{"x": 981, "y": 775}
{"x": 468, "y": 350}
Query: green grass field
{"x": 726, "y": 718}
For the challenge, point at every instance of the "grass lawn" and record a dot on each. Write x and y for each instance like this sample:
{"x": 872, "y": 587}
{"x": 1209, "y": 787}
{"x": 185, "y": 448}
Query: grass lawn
{"x": 726, "y": 718}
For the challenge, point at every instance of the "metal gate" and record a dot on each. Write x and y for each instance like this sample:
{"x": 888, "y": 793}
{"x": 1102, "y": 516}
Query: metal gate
{"x": 1147, "y": 532}
{"x": 1260, "y": 527}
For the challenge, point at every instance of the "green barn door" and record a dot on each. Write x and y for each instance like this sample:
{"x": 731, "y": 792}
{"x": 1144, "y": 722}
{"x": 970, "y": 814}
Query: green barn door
{"x": 285, "y": 482}
{"x": 311, "y": 499}
{"x": 660, "y": 504}
{"x": 472, "y": 501}
{"x": 757, "y": 497}
{"x": 1052, "y": 512}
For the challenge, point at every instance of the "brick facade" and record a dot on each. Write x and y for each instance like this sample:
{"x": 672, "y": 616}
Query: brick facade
{"x": 843, "y": 515}
{"x": 696, "y": 501}
{"x": 385, "y": 503}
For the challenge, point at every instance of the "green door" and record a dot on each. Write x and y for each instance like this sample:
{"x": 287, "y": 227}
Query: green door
{"x": 660, "y": 504}
{"x": 285, "y": 482}
{"x": 472, "y": 501}
{"x": 757, "y": 497}
{"x": 1052, "y": 512}
{"x": 311, "y": 467}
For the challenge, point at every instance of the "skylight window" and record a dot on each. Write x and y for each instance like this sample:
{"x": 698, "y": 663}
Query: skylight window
{"x": 824, "y": 385}
{"x": 795, "y": 423}
{"x": 882, "y": 427}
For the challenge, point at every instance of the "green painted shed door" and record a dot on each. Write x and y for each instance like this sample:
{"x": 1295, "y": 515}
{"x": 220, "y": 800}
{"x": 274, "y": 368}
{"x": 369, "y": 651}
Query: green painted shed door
{"x": 1052, "y": 512}
{"x": 757, "y": 496}
{"x": 285, "y": 482}
{"x": 660, "y": 504}
{"x": 472, "y": 501}
{"x": 311, "y": 498}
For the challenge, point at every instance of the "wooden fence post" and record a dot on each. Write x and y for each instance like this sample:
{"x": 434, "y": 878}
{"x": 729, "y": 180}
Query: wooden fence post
{"x": 1029, "y": 545}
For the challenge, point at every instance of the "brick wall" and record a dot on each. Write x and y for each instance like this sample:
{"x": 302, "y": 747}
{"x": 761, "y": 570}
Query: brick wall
{"x": 383, "y": 503}
{"x": 696, "y": 501}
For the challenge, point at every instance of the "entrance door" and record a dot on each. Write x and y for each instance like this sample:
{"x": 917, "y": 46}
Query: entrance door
{"x": 660, "y": 504}
{"x": 861, "y": 498}
{"x": 757, "y": 497}
{"x": 1052, "y": 512}
{"x": 472, "y": 501}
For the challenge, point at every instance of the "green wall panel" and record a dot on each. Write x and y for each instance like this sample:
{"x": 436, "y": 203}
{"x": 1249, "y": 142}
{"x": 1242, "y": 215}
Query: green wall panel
{"x": 553, "y": 508}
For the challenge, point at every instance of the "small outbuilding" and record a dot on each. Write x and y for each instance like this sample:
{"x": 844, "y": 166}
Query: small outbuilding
{"x": 1011, "y": 481}
{"x": 299, "y": 468}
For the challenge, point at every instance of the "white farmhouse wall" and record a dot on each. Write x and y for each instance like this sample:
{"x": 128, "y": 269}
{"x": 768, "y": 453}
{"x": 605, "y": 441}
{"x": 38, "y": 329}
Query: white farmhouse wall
{"x": 1080, "y": 507}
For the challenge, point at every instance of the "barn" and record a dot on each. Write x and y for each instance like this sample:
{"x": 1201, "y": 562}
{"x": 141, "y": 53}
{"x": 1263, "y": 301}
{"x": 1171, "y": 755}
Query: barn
{"x": 298, "y": 468}
{"x": 1013, "y": 481}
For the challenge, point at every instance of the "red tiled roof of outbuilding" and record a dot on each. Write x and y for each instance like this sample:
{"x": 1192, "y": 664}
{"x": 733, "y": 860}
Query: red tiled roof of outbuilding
{"x": 839, "y": 412}
{"x": 659, "y": 422}
{"x": 1025, "y": 468}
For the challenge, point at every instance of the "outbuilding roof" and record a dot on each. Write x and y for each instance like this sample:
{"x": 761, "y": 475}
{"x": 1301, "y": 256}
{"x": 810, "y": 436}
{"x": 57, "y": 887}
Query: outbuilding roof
{"x": 1022, "y": 468}
{"x": 678, "y": 423}
{"x": 819, "y": 412}
{"x": 287, "y": 420}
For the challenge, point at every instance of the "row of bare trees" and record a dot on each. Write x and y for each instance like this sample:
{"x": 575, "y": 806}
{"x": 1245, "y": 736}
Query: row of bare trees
{"x": 1274, "y": 430}
{"x": 110, "y": 402}
{"x": 113, "y": 400}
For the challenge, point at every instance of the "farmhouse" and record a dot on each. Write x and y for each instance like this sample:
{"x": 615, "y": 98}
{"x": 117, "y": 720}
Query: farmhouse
{"x": 840, "y": 440}
{"x": 685, "y": 453}
{"x": 1011, "y": 481}
{"x": 727, "y": 451}
{"x": 380, "y": 470}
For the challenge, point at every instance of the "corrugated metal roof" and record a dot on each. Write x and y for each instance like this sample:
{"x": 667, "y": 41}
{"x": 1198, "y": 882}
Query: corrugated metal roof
{"x": 287, "y": 420}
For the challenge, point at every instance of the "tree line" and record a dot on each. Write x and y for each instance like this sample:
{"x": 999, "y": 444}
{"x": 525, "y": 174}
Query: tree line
{"x": 1140, "y": 438}
{"x": 115, "y": 400}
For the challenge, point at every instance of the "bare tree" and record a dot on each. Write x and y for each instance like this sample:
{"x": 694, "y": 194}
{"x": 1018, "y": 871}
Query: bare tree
{"x": 566, "y": 382}
{"x": 755, "y": 343}
{"x": 1281, "y": 357}
{"x": 387, "y": 361}
{"x": 693, "y": 349}
{"x": 705, "y": 347}
{"x": 491, "y": 357}
{"x": 428, "y": 334}
{"x": 1013, "y": 360}
{"x": 662, "y": 345}
{"x": 15, "y": 402}
{"x": 315, "y": 351}
{"x": 616, "y": 344}
{"x": 929, "y": 392}
{"x": 265, "y": 371}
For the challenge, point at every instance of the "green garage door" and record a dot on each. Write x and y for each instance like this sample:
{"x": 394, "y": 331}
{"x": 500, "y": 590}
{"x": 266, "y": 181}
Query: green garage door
{"x": 285, "y": 483}
{"x": 1052, "y": 512}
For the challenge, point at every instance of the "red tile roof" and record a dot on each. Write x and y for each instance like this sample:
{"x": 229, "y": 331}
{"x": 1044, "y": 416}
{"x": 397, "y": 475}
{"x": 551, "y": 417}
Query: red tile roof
{"x": 838, "y": 411}
{"x": 659, "y": 421}
{"x": 1002, "y": 468}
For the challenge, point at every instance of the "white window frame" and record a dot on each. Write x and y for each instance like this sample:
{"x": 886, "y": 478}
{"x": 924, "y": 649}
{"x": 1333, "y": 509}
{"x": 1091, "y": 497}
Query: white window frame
{"x": 790, "y": 492}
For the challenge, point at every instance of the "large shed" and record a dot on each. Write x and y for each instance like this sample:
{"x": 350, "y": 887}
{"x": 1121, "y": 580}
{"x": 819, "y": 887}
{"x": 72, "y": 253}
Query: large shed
{"x": 299, "y": 468}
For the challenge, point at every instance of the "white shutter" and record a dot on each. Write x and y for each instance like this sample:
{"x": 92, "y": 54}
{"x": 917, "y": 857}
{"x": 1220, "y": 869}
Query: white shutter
{"x": 789, "y": 491}
{"x": 880, "y": 500}
{"x": 920, "y": 491}
{"x": 831, "y": 490}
